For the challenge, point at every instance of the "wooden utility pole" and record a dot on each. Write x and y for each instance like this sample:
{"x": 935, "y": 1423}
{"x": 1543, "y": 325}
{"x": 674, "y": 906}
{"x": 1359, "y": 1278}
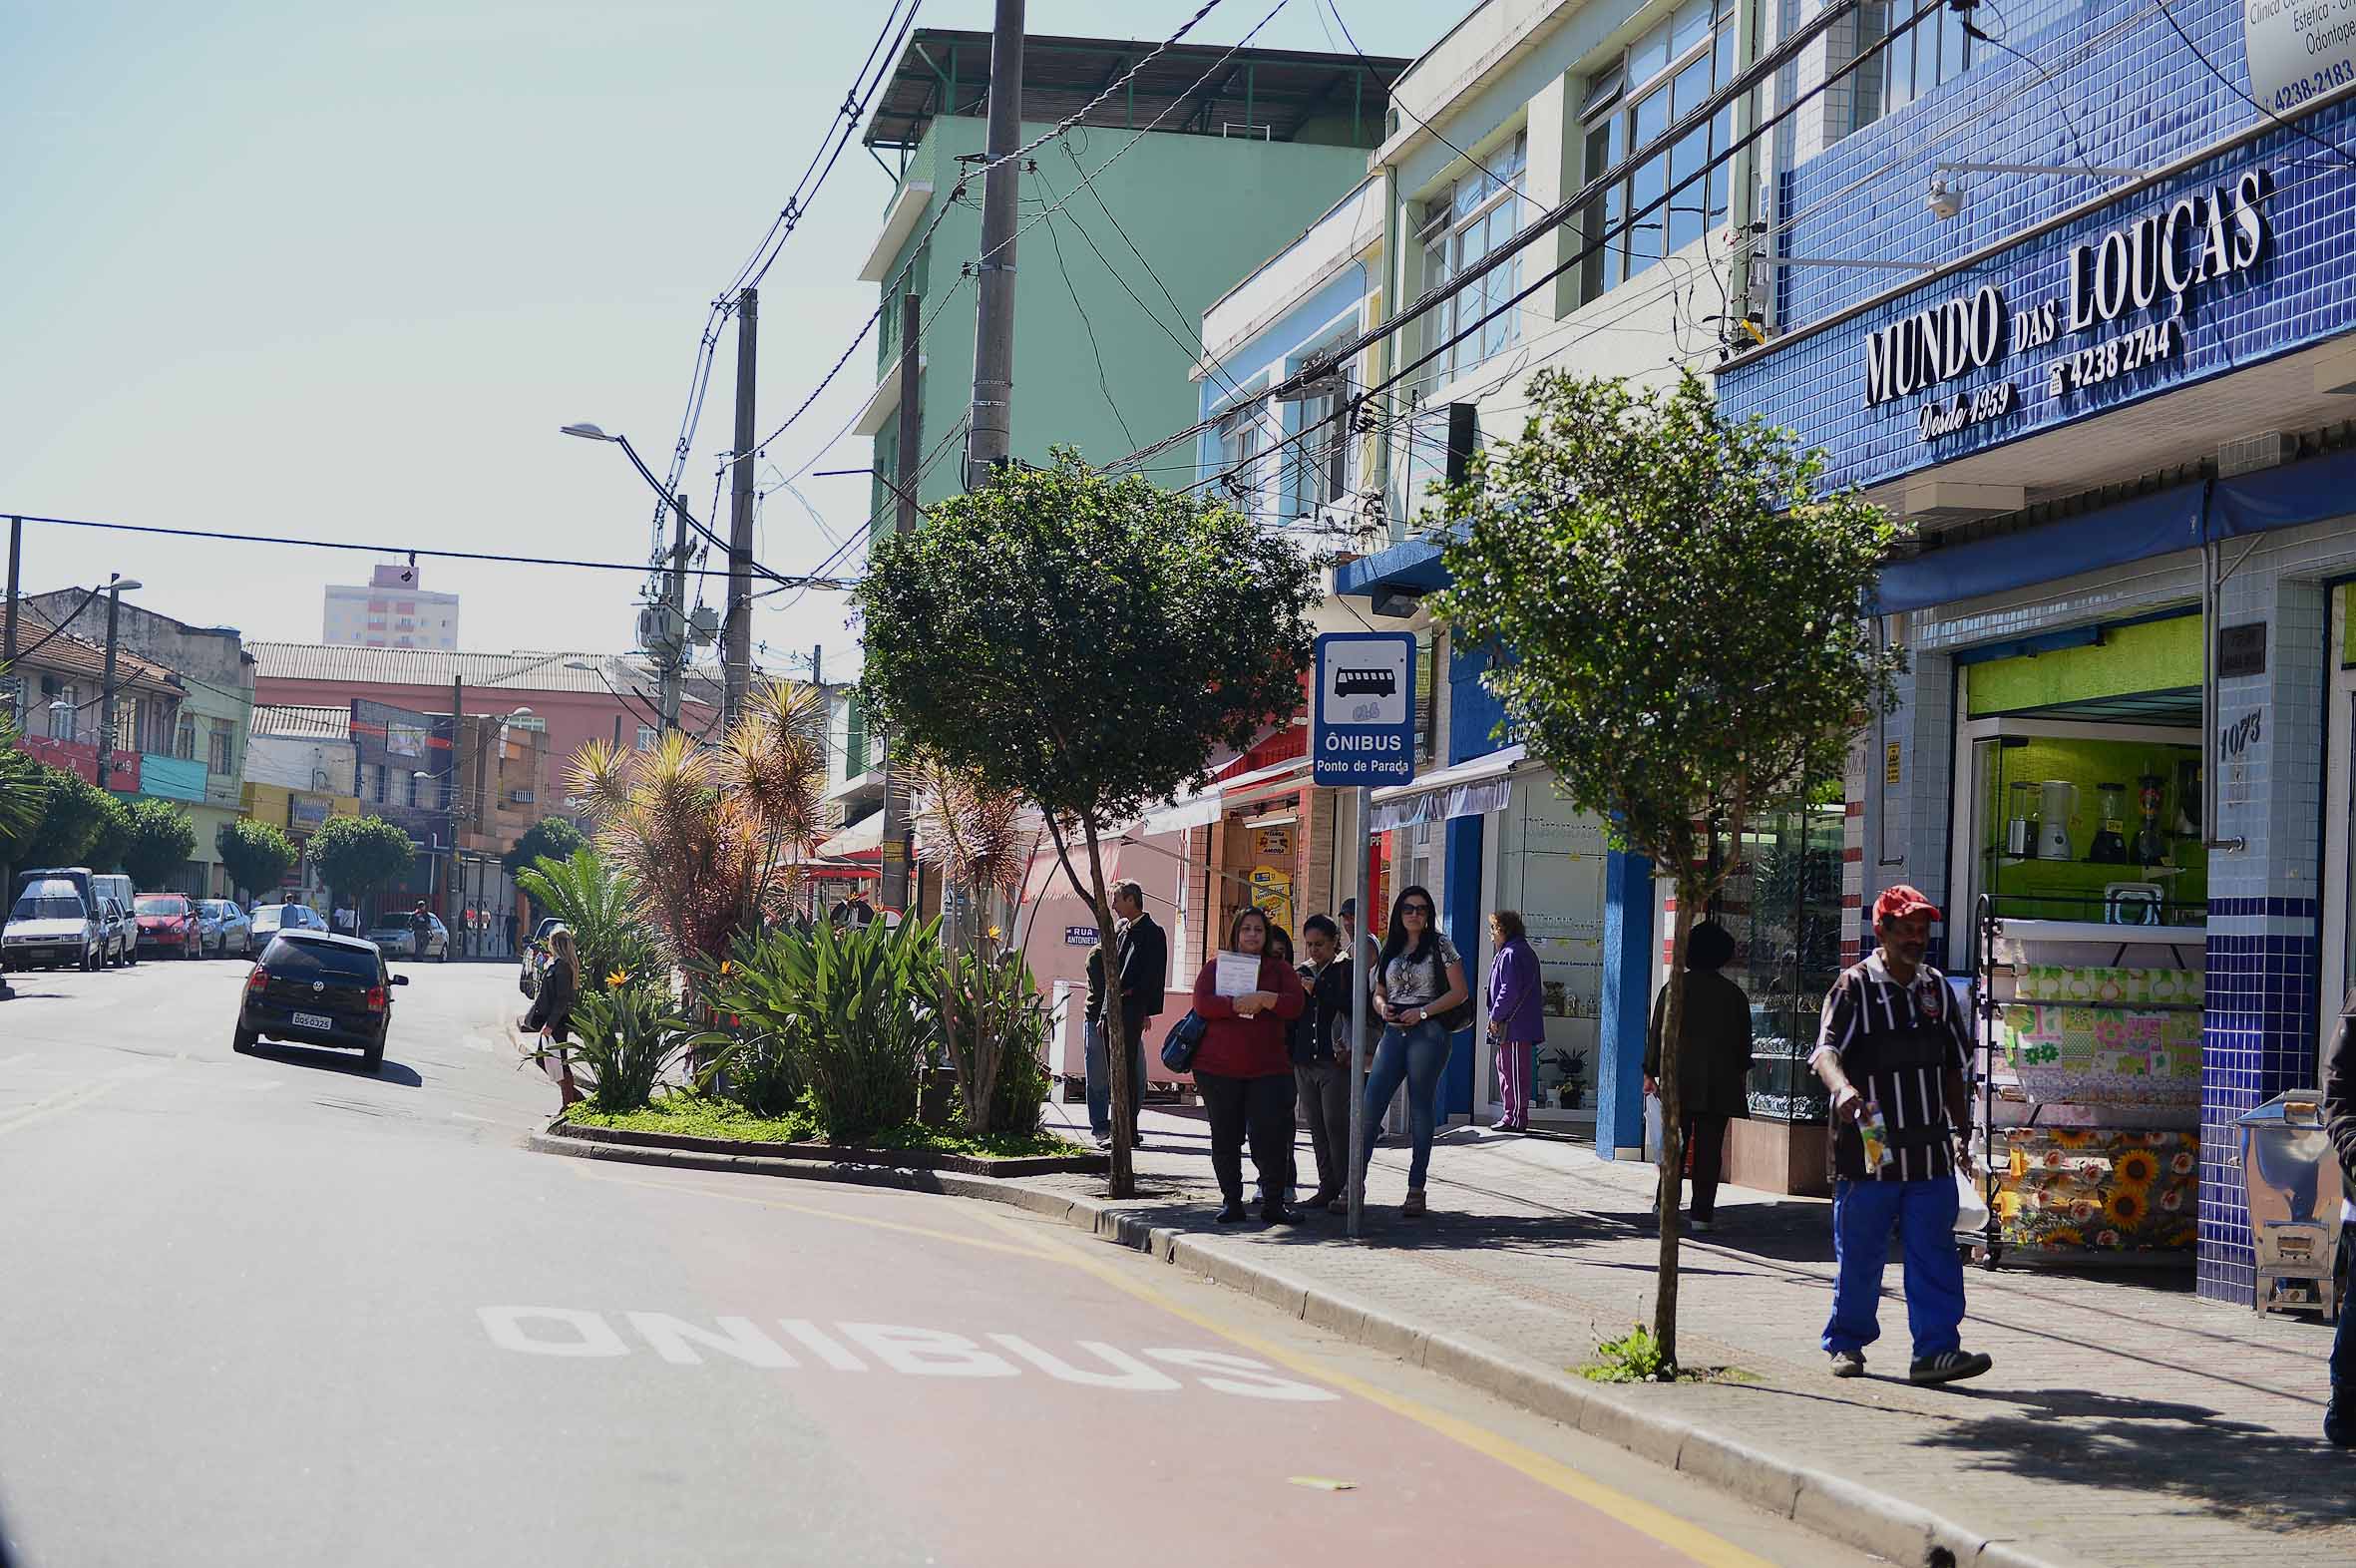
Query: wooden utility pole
{"x": 736, "y": 627}
{"x": 990, "y": 431}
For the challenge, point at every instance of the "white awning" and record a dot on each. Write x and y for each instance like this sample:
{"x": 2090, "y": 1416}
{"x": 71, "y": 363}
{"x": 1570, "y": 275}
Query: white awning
{"x": 1210, "y": 803}
{"x": 862, "y": 839}
{"x": 1467, "y": 789}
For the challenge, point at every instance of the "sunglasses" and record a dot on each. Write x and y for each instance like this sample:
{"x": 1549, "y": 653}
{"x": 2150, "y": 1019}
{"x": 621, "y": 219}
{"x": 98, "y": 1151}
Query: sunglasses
{"x": 1415, "y": 909}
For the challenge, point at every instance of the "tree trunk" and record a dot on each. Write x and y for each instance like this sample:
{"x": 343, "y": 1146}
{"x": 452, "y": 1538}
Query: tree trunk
{"x": 1672, "y": 1119}
{"x": 1116, "y": 1026}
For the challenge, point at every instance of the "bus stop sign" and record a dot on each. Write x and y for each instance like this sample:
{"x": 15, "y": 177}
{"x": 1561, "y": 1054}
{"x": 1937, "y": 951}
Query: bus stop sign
{"x": 1363, "y": 724}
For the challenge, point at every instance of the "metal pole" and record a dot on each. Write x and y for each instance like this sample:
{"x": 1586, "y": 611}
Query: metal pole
{"x": 1361, "y": 1008}
{"x": 674, "y": 650}
{"x": 911, "y": 418}
{"x": 106, "y": 688}
{"x": 736, "y": 636}
{"x": 16, "y": 551}
{"x": 990, "y": 431}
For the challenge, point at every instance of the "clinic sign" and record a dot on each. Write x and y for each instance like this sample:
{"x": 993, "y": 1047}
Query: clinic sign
{"x": 1362, "y": 722}
{"x": 2298, "y": 49}
{"x": 2122, "y": 309}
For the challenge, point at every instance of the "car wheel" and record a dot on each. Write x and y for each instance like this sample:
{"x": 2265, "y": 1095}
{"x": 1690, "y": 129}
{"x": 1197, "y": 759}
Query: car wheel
{"x": 89, "y": 959}
{"x": 243, "y": 1043}
{"x": 373, "y": 1058}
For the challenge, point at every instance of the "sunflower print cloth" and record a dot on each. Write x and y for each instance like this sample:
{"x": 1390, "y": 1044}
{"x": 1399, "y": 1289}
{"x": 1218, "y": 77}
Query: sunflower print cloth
{"x": 2097, "y": 1188}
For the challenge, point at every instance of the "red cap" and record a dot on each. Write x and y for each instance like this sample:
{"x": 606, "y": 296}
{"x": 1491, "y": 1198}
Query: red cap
{"x": 1902, "y": 903}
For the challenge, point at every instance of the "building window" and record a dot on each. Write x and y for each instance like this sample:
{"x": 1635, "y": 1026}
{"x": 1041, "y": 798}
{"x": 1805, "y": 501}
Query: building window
{"x": 62, "y": 708}
{"x": 1319, "y": 463}
{"x": 854, "y": 738}
{"x": 1928, "y": 55}
{"x": 646, "y": 737}
{"x": 1239, "y": 455}
{"x": 1665, "y": 75}
{"x": 1474, "y": 217}
{"x": 183, "y": 740}
{"x": 218, "y": 758}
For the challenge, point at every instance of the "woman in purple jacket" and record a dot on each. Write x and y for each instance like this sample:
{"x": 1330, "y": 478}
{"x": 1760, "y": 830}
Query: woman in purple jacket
{"x": 1517, "y": 1018}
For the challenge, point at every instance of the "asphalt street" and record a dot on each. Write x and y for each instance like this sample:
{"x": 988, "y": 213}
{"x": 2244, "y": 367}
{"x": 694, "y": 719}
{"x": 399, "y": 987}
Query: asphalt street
{"x": 264, "y": 1310}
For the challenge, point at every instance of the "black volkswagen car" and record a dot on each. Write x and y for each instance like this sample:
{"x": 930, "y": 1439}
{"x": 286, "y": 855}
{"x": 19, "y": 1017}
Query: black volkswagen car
{"x": 314, "y": 987}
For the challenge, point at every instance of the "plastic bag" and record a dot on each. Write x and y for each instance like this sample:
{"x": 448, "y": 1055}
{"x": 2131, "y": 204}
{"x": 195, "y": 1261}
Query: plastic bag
{"x": 1652, "y": 1130}
{"x": 1971, "y": 1208}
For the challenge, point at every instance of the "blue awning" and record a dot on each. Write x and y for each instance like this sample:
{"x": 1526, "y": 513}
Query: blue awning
{"x": 2153, "y": 524}
{"x": 1410, "y": 567}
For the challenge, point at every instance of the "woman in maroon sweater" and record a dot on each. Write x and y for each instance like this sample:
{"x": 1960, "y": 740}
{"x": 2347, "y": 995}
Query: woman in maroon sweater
{"x": 1244, "y": 1073}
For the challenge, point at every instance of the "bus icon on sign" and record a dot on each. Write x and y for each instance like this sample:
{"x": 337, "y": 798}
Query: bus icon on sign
{"x": 1381, "y": 682}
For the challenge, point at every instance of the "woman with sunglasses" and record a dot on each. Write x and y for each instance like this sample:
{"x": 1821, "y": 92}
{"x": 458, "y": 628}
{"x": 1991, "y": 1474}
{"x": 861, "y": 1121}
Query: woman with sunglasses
{"x": 1418, "y": 980}
{"x": 1243, "y": 1072}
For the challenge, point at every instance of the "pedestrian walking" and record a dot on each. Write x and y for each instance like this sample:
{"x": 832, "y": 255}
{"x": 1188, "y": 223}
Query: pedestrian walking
{"x": 1142, "y": 951}
{"x": 1095, "y": 1060}
{"x": 1420, "y": 981}
{"x": 1245, "y": 1073}
{"x": 2339, "y": 1123}
{"x": 1320, "y": 1055}
{"x": 1892, "y": 1050}
{"x": 552, "y": 1009}
{"x": 1517, "y": 1018}
{"x": 1713, "y": 1062}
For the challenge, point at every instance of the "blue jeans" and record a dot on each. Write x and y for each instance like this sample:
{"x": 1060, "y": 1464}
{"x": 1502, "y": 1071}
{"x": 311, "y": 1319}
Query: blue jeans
{"x": 1923, "y": 1213}
{"x": 1096, "y": 1053}
{"x": 1414, "y": 1057}
{"x": 2339, "y": 1416}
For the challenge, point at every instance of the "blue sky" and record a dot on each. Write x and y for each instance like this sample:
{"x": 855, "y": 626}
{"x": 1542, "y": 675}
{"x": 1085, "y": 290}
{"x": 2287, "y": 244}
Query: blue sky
{"x": 340, "y": 271}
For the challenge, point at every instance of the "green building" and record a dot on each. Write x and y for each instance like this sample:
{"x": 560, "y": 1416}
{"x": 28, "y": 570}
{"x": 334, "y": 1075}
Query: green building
{"x": 1190, "y": 173}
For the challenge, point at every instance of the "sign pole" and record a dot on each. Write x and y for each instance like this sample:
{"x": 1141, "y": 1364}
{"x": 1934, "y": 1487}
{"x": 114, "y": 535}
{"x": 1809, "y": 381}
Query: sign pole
{"x": 1361, "y": 1006}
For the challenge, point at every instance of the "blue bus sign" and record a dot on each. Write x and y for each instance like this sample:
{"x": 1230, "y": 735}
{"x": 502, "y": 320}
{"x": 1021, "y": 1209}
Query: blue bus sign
{"x": 1362, "y": 729}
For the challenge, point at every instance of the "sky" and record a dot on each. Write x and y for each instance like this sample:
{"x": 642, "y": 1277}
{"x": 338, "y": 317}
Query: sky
{"x": 340, "y": 271}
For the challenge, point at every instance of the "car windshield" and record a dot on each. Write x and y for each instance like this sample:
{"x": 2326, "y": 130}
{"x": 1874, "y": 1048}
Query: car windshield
{"x": 266, "y": 918}
{"x": 159, "y": 904}
{"x": 46, "y": 907}
{"x": 294, "y": 957}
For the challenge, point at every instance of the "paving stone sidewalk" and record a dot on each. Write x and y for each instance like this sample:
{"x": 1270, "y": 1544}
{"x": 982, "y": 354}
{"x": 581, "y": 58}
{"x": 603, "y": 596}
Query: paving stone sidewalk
{"x": 2127, "y": 1420}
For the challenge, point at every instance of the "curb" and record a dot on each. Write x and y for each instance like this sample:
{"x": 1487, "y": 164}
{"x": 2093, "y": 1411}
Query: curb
{"x": 1830, "y": 1504}
{"x": 1090, "y": 1163}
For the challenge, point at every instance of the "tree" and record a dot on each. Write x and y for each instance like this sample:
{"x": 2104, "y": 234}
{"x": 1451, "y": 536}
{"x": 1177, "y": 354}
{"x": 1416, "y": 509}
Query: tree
{"x": 162, "y": 839}
{"x": 599, "y": 904}
{"x": 114, "y": 832}
{"x": 988, "y": 1000}
{"x": 76, "y": 818}
{"x": 256, "y": 854}
{"x": 1678, "y": 618}
{"x": 358, "y": 854}
{"x": 23, "y": 798}
{"x": 1084, "y": 641}
{"x": 550, "y": 838}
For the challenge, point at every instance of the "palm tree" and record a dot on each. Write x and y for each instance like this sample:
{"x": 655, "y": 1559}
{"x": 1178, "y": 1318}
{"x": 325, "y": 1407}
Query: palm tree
{"x": 988, "y": 1001}
{"x": 713, "y": 838}
{"x": 24, "y": 791}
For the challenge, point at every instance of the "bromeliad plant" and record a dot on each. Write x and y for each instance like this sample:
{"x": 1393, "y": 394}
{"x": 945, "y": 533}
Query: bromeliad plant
{"x": 628, "y": 1038}
{"x": 713, "y": 840}
{"x": 758, "y": 1059}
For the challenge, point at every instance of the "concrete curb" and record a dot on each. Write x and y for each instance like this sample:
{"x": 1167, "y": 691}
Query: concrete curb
{"x": 1830, "y": 1504}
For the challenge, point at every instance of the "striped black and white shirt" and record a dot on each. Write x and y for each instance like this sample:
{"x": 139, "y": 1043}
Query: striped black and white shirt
{"x": 1869, "y": 1017}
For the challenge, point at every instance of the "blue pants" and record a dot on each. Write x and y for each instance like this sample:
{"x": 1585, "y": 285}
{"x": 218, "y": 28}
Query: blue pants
{"x": 1923, "y": 1213}
{"x": 1096, "y": 1058}
{"x": 2339, "y": 1416}
{"x": 1414, "y": 1057}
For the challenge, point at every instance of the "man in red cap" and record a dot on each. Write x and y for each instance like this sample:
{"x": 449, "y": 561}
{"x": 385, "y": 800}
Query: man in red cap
{"x": 1892, "y": 1051}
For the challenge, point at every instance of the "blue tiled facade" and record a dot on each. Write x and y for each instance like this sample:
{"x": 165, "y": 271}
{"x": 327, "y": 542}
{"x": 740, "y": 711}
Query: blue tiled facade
{"x": 2135, "y": 97}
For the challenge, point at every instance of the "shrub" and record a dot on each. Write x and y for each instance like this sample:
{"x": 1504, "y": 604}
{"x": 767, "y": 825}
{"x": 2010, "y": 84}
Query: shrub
{"x": 764, "y": 1035}
{"x": 995, "y": 1022}
{"x": 598, "y": 904}
{"x": 629, "y": 1040}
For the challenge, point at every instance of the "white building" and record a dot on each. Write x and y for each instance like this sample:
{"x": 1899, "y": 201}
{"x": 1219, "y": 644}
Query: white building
{"x": 392, "y": 611}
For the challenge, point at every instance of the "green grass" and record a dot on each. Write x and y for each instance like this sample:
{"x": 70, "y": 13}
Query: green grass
{"x": 1636, "y": 1357}
{"x": 697, "y": 1116}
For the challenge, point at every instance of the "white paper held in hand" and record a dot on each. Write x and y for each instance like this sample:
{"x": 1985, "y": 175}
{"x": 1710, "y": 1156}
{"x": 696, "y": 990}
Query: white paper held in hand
{"x": 1238, "y": 973}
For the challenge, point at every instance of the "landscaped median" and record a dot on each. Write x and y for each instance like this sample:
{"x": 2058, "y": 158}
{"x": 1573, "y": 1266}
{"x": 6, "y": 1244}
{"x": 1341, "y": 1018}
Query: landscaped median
{"x": 701, "y": 1125}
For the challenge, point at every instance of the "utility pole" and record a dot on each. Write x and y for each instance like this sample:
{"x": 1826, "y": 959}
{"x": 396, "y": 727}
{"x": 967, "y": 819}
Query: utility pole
{"x": 675, "y": 603}
{"x": 911, "y": 418}
{"x": 16, "y": 554}
{"x": 893, "y": 845}
{"x": 736, "y": 635}
{"x": 106, "y": 686}
{"x": 990, "y": 431}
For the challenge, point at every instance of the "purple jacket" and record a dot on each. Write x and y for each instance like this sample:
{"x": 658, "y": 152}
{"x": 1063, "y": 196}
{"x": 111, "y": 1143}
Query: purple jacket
{"x": 1516, "y": 999}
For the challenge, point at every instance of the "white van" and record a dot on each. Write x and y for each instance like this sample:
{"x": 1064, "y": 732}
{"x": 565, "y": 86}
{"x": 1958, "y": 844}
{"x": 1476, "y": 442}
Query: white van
{"x": 116, "y": 886}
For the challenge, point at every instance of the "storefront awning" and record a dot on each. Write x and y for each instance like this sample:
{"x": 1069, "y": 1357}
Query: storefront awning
{"x": 862, "y": 839}
{"x": 1209, "y": 804}
{"x": 1467, "y": 789}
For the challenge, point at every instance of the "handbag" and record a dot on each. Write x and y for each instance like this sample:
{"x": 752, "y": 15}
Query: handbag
{"x": 1457, "y": 1017}
{"x": 1184, "y": 1038}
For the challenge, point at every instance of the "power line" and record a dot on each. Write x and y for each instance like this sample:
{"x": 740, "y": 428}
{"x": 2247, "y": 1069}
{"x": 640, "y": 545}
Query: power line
{"x": 1095, "y": 348}
{"x": 2242, "y": 93}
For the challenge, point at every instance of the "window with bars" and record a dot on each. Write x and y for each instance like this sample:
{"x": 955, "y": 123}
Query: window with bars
{"x": 219, "y": 750}
{"x": 184, "y": 739}
{"x": 1662, "y": 77}
{"x": 1468, "y": 221}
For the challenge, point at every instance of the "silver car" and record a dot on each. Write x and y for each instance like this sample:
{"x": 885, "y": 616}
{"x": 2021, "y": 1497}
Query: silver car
{"x": 395, "y": 937}
{"x": 226, "y": 926}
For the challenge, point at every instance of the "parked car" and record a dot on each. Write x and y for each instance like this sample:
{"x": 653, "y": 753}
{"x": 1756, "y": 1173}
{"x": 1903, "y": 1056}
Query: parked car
{"x": 167, "y": 925}
{"x": 398, "y": 938}
{"x": 314, "y": 987}
{"x": 536, "y": 955}
{"x": 122, "y": 927}
{"x": 227, "y": 926}
{"x": 271, "y": 919}
{"x": 105, "y": 885}
{"x": 49, "y": 925}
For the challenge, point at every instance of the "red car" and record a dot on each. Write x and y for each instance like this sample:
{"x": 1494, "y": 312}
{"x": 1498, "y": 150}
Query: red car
{"x": 168, "y": 924}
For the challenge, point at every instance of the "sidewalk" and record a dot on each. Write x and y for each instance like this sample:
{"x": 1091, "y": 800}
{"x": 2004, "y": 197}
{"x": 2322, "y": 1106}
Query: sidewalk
{"x": 2127, "y": 1420}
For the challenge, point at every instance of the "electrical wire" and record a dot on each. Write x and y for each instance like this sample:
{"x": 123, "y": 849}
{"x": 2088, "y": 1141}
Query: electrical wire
{"x": 56, "y": 631}
{"x": 1103, "y": 380}
{"x": 2244, "y": 94}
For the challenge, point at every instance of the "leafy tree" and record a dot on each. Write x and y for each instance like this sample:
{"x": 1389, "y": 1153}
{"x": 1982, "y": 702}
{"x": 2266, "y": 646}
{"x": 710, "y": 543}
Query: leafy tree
{"x": 114, "y": 832}
{"x": 1682, "y": 610}
{"x": 550, "y": 838}
{"x": 358, "y": 854}
{"x": 162, "y": 839}
{"x": 1084, "y": 641}
{"x": 24, "y": 786}
{"x": 78, "y": 821}
{"x": 256, "y": 854}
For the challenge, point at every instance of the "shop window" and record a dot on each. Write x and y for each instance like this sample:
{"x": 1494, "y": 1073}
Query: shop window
{"x": 1550, "y": 868}
{"x": 1782, "y": 905}
{"x": 1464, "y": 226}
{"x": 1664, "y": 76}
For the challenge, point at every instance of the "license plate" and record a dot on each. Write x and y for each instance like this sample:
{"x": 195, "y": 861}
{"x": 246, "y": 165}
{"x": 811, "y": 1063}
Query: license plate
{"x": 313, "y": 1020}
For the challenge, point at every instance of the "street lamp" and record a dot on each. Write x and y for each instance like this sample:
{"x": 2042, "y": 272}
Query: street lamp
{"x": 674, "y": 598}
{"x": 117, "y": 583}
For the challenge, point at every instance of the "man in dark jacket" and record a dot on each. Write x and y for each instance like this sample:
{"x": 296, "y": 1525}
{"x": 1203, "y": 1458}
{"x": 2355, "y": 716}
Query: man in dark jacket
{"x": 2339, "y": 1121}
{"x": 1320, "y": 1055}
{"x": 1142, "y": 960}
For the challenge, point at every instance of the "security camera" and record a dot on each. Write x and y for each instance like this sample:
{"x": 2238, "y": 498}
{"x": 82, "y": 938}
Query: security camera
{"x": 1944, "y": 199}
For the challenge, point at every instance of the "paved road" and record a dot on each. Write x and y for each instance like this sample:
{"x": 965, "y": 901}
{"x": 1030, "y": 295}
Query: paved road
{"x": 268, "y": 1309}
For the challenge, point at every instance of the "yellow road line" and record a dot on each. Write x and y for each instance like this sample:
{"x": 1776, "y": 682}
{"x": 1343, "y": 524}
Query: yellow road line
{"x": 588, "y": 1173}
{"x": 1658, "y": 1523}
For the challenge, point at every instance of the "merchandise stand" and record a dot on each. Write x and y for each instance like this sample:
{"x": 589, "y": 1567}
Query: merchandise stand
{"x": 2087, "y": 1125}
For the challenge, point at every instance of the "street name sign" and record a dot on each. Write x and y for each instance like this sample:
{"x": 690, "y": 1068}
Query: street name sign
{"x": 1362, "y": 723}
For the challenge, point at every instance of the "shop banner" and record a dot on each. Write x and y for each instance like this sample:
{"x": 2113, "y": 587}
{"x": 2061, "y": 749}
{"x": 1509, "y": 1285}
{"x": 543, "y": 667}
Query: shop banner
{"x": 2298, "y": 49}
